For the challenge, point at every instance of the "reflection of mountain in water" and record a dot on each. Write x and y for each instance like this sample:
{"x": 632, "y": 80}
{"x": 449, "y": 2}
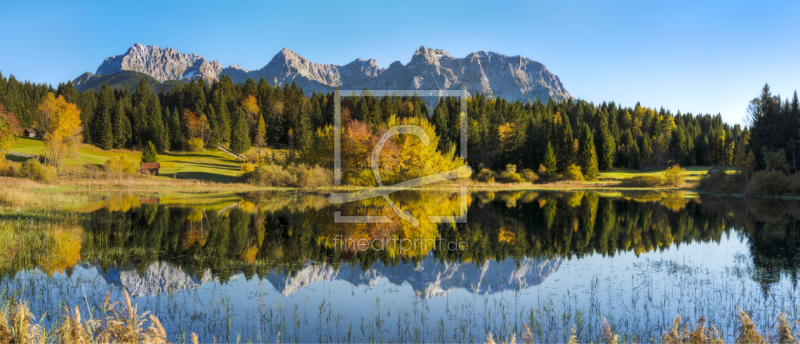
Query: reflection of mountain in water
{"x": 160, "y": 278}
{"x": 430, "y": 278}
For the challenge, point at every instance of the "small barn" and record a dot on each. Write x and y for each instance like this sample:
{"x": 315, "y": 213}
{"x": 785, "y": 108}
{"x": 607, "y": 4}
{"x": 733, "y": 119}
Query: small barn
{"x": 151, "y": 168}
{"x": 30, "y": 132}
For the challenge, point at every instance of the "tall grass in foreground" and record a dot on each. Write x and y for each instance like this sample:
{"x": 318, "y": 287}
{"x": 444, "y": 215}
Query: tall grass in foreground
{"x": 117, "y": 325}
{"x": 684, "y": 334}
{"x": 125, "y": 324}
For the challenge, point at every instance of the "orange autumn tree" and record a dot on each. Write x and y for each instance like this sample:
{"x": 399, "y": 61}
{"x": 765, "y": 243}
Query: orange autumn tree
{"x": 9, "y": 129}
{"x": 196, "y": 127}
{"x": 403, "y": 157}
{"x": 60, "y": 123}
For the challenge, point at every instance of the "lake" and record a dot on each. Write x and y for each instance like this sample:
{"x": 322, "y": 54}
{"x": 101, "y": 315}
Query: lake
{"x": 267, "y": 266}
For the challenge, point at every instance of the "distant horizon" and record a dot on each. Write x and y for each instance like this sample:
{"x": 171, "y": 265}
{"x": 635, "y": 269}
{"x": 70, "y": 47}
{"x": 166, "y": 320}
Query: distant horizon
{"x": 710, "y": 57}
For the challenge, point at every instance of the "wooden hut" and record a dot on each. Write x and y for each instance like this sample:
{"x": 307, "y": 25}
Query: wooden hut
{"x": 151, "y": 168}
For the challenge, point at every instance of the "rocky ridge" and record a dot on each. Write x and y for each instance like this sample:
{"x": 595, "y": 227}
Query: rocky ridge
{"x": 496, "y": 75}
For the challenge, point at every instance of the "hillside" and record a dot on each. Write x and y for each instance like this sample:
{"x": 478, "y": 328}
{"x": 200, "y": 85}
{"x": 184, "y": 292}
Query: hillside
{"x": 121, "y": 79}
{"x": 211, "y": 165}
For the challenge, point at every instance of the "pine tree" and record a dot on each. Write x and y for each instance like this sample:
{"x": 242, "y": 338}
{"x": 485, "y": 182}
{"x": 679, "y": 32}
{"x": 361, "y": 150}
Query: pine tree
{"x": 587, "y": 155}
{"x": 633, "y": 156}
{"x": 150, "y": 154}
{"x": 549, "y": 159}
{"x": 118, "y": 125}
{"x": 240, "y": 137}
{"x": 565, "y": 149}
{"x": 103, "y": 135}
{"x": 606, "y": 147}
{"x": 644, "y": 150}
{"x": 175, "y": 133}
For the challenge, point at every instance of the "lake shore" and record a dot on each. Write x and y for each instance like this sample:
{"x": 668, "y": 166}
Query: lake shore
{"x": 64, "y": 193}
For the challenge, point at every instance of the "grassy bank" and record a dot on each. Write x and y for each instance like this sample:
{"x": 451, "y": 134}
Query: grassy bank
{"x": 212, "y": 165}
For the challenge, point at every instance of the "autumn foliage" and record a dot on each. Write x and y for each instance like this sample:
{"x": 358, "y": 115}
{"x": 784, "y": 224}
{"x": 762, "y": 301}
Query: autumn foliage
{"x": 60, "y": 123}
{"x": 9, "y": 129}
{"x": 403, "y": 157}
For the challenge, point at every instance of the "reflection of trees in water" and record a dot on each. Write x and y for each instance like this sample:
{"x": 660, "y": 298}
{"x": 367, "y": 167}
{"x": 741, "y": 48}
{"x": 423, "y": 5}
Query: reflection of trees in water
{"x": 772, "y": 229}
{"x": 270, "y": 231}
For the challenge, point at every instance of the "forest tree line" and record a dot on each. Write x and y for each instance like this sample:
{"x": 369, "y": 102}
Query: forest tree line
{"x": 550, "y": 134}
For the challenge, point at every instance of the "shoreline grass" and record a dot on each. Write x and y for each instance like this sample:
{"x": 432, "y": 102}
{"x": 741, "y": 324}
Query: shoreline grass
{"x": 663, "y": 289}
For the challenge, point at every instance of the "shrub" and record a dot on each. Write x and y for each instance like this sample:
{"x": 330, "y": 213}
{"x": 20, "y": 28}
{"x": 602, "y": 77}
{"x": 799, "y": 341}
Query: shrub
{"x": 510, "y": 175}
{"x": 643, "y": 182}
{"x": 722, "y": 183}
{"x": 268, "y": 175}
{"x": 486, "y": 175}
{"x": 794, "y": 184}
{"x": 729, "y": 185}
{"x": 120, "y": 165}
{"x": 767, "y": 183}
{"x": 248, "y": 167}
{"x": 709, "y": 181}
{"x": 360, "y": 177}
{"x": 673, "y": 176}
{"x": 529, "y": 175}
{"x": 311, "y": 177}
{"x": 290, "y": 176}
{"x": 195, "y": 144}
{"x": 573, "y": 172}
{"x": 9, "y": 168}
{"x": 34, "y": 170}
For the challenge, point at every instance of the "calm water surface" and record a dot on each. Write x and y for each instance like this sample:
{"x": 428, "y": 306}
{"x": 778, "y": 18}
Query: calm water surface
{"x": 272, "y": 266}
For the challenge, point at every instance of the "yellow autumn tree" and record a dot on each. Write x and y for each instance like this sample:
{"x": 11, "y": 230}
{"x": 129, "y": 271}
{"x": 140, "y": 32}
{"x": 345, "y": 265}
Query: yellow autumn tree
{"x": 250, "y": 107}
{"x": 60, "y": 123}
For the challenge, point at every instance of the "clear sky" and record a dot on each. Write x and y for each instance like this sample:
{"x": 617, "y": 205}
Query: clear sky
{"x": 693, "y": 56}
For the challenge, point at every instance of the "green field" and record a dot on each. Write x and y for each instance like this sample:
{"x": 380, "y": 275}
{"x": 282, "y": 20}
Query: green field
{"x": 211, "y": 165}
{"x": 215, "y": 165}
{"x": 692, "y": 173}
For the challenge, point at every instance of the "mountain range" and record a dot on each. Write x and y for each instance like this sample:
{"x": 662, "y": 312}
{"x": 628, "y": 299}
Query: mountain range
{"x": 496, "y": 75}
{"x": 429, "y": 278}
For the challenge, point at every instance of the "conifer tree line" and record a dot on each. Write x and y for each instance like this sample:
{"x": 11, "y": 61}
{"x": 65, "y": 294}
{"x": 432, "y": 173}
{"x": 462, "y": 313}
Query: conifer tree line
{"x": 774, "y": 134}
{"x": 552, "y": 135}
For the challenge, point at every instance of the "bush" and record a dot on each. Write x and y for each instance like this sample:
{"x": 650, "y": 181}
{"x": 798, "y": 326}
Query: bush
{"x": 34, "y": 170}
{"x": 767, "y": 183}
{"x": 486, "y": 175}
{"x": 268, "y": 175}
{"x": 360, "y": 177}
{"x": 529, "y": 175}
{"x": 311, "y": 177}
{"x": 573, "y": 172}
{"x": 120, "y": 165}
{"x": 794, "y": 184}
{"x": 729, "y": 185}
{"x": 9, "y": 168}
{"x": 673, "y": 176}
{"x": 510, "y": 175}
{"x": 291, "y": 176}
{"x": 643, "y": 182}
{"x": 248, "y": 167}
{"x": 195, "y": 145}
{"x": 722, "y": 183}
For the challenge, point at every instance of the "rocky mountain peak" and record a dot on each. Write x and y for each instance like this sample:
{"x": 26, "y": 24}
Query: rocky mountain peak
{"x": 162, "y": 64}
{"x": 496, "y": 75}
{"x": 428, "y": 56}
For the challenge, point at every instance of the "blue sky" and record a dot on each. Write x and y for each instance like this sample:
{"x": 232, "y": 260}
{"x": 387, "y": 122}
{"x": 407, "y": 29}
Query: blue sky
{"x": 693, "y": 56}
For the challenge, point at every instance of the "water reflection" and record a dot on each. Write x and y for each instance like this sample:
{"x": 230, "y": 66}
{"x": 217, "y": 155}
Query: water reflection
{"x": 515, "y": 243}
